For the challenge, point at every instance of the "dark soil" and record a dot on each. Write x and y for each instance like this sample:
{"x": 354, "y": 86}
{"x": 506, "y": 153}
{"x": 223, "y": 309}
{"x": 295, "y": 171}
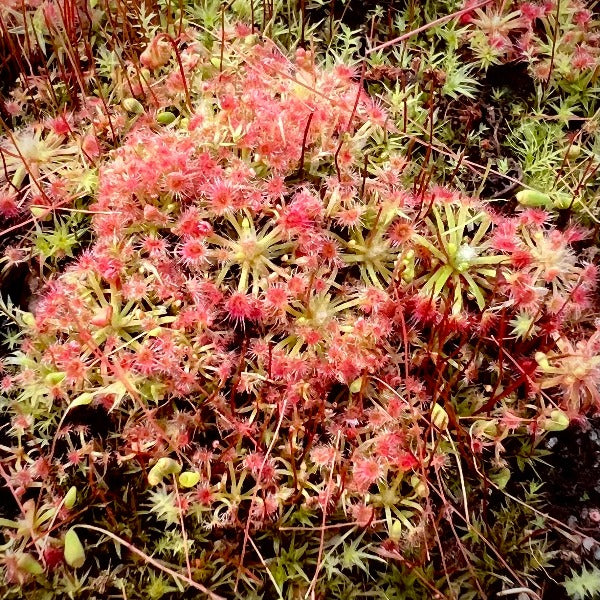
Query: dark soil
{"x": 512, "y": 76}
{"x": 572, "y": 495}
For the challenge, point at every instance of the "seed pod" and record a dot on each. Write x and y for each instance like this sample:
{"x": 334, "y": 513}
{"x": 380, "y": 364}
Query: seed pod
{"x": 54, "y": 378}
{"x": 28, "y": 564}
{"x": 574, "y": 151}
{"x": 157, "y": 54}
{"x": 562, "y": 201}
{"x": 70, "y": 497}
{"x": 501, "y": 477}
{"x": 165, "y": 118}
{"x": 533, "y": 198}
{"x": 164, "y": 466}
{"x": 420, "y": 487}
{"x": 439, "y": 417}
{"x": 28, "y": 319}
{"x": 74, "y": 551}
{"x": 103, "y": 316}
{"x": 131, "y": 105}
{"x": 542, "y": 360}
{"x": 189, "y": 479}
{"x": 41, "y": 213}
{"x": 395, "y": 531}
{"x": 356, "y": 385}
{"x": 558, "y": 421}
{"x": 82, "y": 400}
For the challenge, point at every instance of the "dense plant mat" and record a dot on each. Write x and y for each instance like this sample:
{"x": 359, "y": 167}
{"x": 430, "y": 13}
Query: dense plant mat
{"x": 299, "y": 301}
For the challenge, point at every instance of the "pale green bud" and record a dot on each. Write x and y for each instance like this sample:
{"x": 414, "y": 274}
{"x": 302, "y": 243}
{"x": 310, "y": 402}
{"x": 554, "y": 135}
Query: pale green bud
{"x": 395, "y": 531}
{"x": 54, "y": 378}
{"x": 164, "y": 466}
{"x": 558, "y": 421}
{"x": 30, "y": 565}
{"x": 165, "y": 118}
{"x": 419, "y": 486}
{"x": 533, "y": 198}
{"x": 356, "y": 385}
{"x": 28, "y": 319}
{"x": 501, "y": 477}
{"x": 189, "y": 479}
{"x": 74, "y": 551}
{"x": 133, "y": 106}
{"x": 70, "y": 497}
{"x": 40, "y": 212}
{"x": 439, "y": 417}
{"x": 542, "y": 360}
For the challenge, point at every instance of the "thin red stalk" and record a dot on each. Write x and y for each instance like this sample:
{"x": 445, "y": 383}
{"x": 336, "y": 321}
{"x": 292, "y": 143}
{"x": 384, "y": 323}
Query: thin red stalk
{"x": 409, "y": 34}
{"x": 90, "y": 56}
{"x": 115, "y": 44}
{"x": 352, "y": 114}
{"x": 152, "y": 561}
{"x": 72, "y": 53}
{"x": 255, "y": 493}
{"x": 32, "y": 178}
{"x": 554, "y": 40}
{"x": 304, "y": 138}
{"x": 17, "y": 54}
{"x": 420, "y": 179}
{"x": 303, "y": 16}
{"x": 186, "y": 89}
{"x": 561, "y": 170}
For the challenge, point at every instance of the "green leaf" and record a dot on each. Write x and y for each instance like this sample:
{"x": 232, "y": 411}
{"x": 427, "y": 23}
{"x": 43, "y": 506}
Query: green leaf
{"x": 583, "y": 585}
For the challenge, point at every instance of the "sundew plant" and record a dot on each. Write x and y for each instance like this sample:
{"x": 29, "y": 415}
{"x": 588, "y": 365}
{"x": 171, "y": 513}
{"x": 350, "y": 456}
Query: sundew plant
{"x": 297, "y": 299}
